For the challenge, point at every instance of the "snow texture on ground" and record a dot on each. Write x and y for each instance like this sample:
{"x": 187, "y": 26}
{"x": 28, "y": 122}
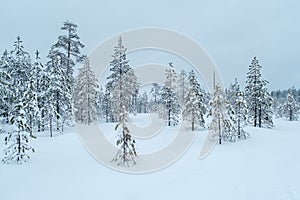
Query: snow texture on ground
{"x": 265, "y": 166}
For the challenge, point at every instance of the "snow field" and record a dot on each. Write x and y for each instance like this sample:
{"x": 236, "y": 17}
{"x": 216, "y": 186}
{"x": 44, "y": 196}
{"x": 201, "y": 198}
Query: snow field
{"x": 265, "y": 166}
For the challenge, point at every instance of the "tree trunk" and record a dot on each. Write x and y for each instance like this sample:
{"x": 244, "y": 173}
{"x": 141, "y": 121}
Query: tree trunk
{"x": 62, "y": 126}
{"x": 69, "y": 55}
{"x": 88, "y": 110}
{"x": 239, "y": 122}
{"x": 193, "y": 121}
{"x": 57, "y": 110}
{"x": 193, "y": 124}
{"x": 259, "y": 116}
{"x": 43, "y": 121}
{"x": 239, "y": 128}
{"x": 50, "y": 123}
{"x": 106, "y": 115}
{"x": 30, "y": 125}
{"x": 19, "y": 142}
{"x": 255, "y": 114}
{"x": 39, "y": 125}
{"x": 169, "y": 115}
{"x": 6, "y": 115}
{"x": 124, "y": 139}
{"x": 220, "y": 136}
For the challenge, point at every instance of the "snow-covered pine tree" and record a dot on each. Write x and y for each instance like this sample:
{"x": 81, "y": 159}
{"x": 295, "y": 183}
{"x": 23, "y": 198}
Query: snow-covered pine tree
{"x": 85, "y": 94}
{"x": 290, "y": 108}
{"x": 194, "y": 108}
{"x": 120, "y": 91}
{"x": 67, "y": 48}
{"x": 69, "y": 44}
{"x": 258, "y": 98}
{"x": 182, "y": 87}
{"x": 127, "y": 152}
{"x": 18, "y": 139}
{"x": 221, "y": 124}
{"x": 169, "y": 98}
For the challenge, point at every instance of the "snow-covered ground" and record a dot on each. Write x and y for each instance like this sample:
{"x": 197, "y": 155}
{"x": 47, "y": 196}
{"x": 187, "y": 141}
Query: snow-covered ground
{"x": 265, "y": 166}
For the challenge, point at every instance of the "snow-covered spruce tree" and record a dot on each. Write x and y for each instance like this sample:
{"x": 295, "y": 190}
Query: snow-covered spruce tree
{"x": 21, "y": 66}
{"x": 45, "y": 98}
{"x": 143, "y": 103}
{"x": 280, "y": 96}
{"x": 67, "y": 48}
{"x": 57, "y": 92}
{"x": 78, "y": 100}
{"x": 194, "y": 108}
{"x": 121, "y": 87}
{"x": 155, "y": 91}
{"x": 106, "y": 107}
{"x": 266, "y": 110}
{"x": 49, "y": 110}
{"x": 31, "y": 94}
{"x": 169, "y": 101}
{"x": 127, "y": 153}
{"x": 241, "y": 111}
{"x": 99, "y": 102}
{"x": 232, "y": 91}
{"x": 290, "y": 108}
{"x": 121, "y": 92}
{"x": 155, "y": 100}
{"x": 277, "y": 101}
{"x": 231, "y": 124}
{"x": 182, "y": 87}
{"x": 258, "y": 98}
{"x": 145, "y": 108}
{"x": 221, "y": 123}
{"x": 131, "y": 86}
{"x": 85, "y": 94}
{"x": 49, "y": 115}
{"x": 38, "y": 78}
{"x": 22, "y": 81}
{"x": 18, "y": 139}
{"x": 30, "y": 103}
{"x": 19, "y": 71}
{"x": 5, "y": 85}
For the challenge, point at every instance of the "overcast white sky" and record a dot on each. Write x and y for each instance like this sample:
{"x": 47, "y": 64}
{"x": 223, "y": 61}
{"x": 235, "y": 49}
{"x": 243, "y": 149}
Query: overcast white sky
{"x": 232, "y": 31}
